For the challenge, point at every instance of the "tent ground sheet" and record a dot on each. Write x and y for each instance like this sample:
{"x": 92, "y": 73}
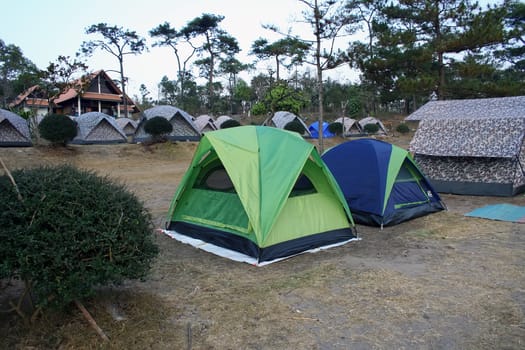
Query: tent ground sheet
{"x": 236, "y": 256}
{"x": 501, "y": 212}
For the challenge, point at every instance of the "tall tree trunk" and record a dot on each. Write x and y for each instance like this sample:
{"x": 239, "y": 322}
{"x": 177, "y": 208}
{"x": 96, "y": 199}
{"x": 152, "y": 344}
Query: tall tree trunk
{"x": 210, "y": 83}
{"x": 277, "y": 65}
{"x": 123, "y": 84}
{"x": 317, "y": 16}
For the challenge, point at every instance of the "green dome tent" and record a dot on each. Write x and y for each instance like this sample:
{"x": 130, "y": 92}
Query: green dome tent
{"x": 241, "y": 198}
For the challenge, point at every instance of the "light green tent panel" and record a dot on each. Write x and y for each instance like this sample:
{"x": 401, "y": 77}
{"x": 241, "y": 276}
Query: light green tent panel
{"x": 397, "y": 157}
{"x": 312, "y": 219}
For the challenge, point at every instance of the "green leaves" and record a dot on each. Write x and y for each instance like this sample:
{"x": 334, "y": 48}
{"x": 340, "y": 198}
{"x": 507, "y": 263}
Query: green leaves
{"x": 157, "y": 127}
{"x": 72, "y": 232}
{"x": 58, "y": 129}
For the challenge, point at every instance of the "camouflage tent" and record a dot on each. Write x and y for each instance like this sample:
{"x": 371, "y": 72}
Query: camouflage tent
{"x": 98, "y": 128}
{"x": 14, "y": 130}
{"x": 513, "y": 106}
{"x": 469, "y": 148}
{"x": 184, "y": 128}
{"x": 127, "y": 125}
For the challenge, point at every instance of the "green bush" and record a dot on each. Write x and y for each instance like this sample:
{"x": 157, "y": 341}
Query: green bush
{"x": 296, "y": 126}
{"x": 158, "y": 128}
{"x": 72, "y": 231}
{"x": 259, "y": 109}
{"x": 371, "y": 128}
{"x": 230, "y": 123}
{"x": 402, "y": 128}
{"x": 336, "y": 128}
{"x": 57, "y": 129}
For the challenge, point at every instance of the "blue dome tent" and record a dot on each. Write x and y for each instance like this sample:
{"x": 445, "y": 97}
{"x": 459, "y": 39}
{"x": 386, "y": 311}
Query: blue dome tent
{"x": 314, "y": 130}
{"x": 381, "y": 182}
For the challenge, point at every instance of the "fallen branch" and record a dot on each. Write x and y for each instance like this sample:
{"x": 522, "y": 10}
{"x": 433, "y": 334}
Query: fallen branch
{"x": 12, "y": 180}
{"x": 91, "y": 320}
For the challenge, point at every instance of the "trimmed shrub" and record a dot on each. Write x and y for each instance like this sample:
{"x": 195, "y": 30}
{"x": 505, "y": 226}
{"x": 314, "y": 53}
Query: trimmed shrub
{"x": 259, "y": 109}
{"x": 230, "y": 123}
{"x": 371, "y": 128}
{"x": 158, "y": 128}
{"x": 58, "y": 129}
{"x": 296, "y": 126}
{"x": 336, "y": 128}
{"x": 402, "y": 128}
{"x": 72, "y": 231}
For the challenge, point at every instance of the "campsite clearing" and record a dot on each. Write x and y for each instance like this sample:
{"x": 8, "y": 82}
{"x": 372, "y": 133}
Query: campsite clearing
{"x": 442, "y": 281}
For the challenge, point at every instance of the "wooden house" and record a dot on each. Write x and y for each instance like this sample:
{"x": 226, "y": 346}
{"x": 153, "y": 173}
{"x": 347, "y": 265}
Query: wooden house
{"x": 32, "y": 100}
{"x": 95, "y": 92}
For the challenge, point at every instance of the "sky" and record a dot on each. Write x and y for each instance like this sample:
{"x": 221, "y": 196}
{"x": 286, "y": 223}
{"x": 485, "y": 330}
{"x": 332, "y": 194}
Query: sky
{"x": 43, "y": 30}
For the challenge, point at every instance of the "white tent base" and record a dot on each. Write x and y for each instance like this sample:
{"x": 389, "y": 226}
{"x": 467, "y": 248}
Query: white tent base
{"x": 236, "y": 256}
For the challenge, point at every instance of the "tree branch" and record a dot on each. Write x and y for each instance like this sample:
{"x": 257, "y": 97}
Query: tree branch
{"x": 12, "y": 180}
{"x": 91, "y": 320}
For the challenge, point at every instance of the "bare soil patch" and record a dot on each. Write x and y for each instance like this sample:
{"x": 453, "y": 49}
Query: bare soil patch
{"x": 443, "y": 281}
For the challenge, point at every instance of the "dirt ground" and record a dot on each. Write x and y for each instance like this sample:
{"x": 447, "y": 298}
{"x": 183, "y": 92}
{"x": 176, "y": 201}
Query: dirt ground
{"x": 443, "y": 281}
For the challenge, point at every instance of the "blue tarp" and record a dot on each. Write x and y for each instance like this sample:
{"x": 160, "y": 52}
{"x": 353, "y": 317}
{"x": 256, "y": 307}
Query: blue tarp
{"x": 314, "y": 130}
{"x": 502, "y": 212}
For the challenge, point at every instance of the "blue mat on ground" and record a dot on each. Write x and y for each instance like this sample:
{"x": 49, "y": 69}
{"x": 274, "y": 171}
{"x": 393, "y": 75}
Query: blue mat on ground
{"x": 502, "y": 212}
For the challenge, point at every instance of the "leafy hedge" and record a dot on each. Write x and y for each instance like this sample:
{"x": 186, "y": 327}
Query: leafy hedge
{"x": 158, "y": 127}
{"x": 230, "y": 123}
{"x": 72, "y": 231}
{"x": 296, "y": 126}
{"x": 336, "y": 128}
{"x": 371, "y": 128}
{"x": 58, "y": 129}
{"x": 402, "y": 128}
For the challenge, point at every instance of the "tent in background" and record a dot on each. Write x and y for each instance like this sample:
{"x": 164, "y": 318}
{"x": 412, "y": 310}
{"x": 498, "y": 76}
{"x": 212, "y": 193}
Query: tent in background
{"x": 221, "y": 119}
{"x": 97, "y": 128}
{"x": 205, "y": 123}
{"x": 240, "y": 197}
{"x": 314, "y": 130}
{"x": 350, "y": 126}
{"x": 127, "y": 125}
{"x": 472, "y": 146}
{"x": 371, "y": 120}
{"x": 381, "y": 183}
{"x": 184, "y": 128}
{"x": 14, "y": 130}
{"x": 281, "y": 118}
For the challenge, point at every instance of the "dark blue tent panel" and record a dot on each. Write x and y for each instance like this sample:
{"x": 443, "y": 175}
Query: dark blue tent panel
{"x": 381, "y": 183}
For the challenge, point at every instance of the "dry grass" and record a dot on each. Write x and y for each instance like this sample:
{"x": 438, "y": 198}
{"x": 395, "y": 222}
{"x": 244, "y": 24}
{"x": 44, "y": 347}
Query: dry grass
{"x": 443, "y": 281}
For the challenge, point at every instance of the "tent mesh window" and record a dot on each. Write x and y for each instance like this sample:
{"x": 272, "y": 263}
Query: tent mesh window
{"x": 408, "y": 182}
{"x": 216, "y": 179}
{"x": 407, "y": 173}
{"x": 303, "y": 186}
